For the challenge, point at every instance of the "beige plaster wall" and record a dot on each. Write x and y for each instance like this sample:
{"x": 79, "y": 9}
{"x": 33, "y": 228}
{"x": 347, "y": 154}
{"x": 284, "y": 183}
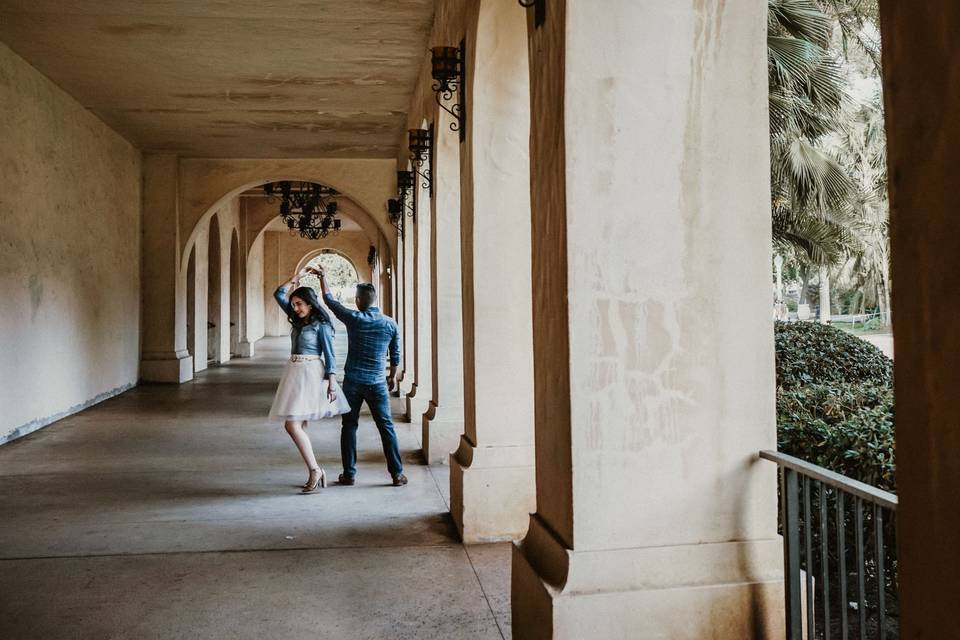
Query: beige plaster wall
{"x": 69, "y": 257}
{"x": 255, "y": 317}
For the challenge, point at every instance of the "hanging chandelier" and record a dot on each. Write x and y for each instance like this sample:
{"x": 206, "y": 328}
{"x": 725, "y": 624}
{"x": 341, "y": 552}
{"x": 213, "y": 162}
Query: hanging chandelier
{"x": 307, "y": 208}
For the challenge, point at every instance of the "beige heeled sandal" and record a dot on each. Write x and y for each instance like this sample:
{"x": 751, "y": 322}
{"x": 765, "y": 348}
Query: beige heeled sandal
{"x": 318, "y": 479}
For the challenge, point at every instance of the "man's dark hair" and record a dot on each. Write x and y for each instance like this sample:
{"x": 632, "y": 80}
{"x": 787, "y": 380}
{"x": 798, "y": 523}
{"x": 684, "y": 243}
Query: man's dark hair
{"x": 365, "y": 288}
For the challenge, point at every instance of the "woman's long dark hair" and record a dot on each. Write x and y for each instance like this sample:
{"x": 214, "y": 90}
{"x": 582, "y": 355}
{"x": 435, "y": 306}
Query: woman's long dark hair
{"x": 317, "y": 313}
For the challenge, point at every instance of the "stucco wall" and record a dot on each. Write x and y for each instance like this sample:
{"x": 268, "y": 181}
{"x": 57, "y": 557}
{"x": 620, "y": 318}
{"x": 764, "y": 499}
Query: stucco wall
{"x": 69, "y": 256}
{"x": 255, "y": 319}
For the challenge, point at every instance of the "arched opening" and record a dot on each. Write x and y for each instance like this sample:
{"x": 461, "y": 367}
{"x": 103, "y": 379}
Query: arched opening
{"x": 266, "y": 250}
{"x": 214, "y": 322}
{"x": 342, "y": 277}
{"x": 236, "y": 290}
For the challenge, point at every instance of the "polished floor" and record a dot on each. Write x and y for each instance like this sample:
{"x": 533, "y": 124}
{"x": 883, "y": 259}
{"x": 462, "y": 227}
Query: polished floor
{"x": 173, "y": 512}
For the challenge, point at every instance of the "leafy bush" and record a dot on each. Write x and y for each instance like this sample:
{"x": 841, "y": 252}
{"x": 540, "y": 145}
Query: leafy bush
{"x": 847, "y": 428}
{"x": 835, "y": 402}
{"x": 813, "y": 353}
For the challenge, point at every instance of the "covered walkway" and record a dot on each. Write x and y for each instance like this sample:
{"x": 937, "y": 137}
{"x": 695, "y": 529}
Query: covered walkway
{"x": 181, "y": 502}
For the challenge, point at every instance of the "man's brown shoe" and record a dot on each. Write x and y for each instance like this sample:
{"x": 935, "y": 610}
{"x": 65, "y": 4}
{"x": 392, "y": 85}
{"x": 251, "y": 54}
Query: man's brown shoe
{"x": 346, "y": 480}
{"x": 399, "y": 480}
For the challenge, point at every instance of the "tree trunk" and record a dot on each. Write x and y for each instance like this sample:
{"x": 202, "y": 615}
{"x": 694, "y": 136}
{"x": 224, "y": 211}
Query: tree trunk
{"x": 886, "y": 298}
{"x": 824, "y": 295}
{"x": 804, "y": 285}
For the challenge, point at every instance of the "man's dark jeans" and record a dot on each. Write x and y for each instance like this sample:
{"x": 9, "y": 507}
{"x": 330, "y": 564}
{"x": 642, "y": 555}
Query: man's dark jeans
{"x": 377, "y": 398}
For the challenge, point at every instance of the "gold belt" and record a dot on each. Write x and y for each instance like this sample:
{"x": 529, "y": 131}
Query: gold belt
{"x": 303, "y": 357}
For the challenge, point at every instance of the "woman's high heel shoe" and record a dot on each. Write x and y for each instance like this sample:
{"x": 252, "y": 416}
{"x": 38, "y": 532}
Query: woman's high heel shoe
{"x": 318, "y": 478}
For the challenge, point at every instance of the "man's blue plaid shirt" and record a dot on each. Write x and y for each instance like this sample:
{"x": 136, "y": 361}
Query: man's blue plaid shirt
{"x": 371, "y": 334}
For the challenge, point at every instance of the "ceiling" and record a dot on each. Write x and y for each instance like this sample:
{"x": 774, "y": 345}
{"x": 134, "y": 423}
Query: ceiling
{"x": 233, "y": 78}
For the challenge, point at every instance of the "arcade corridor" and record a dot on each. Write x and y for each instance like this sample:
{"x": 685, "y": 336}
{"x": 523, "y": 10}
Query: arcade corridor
{"x": 181, "y": 502}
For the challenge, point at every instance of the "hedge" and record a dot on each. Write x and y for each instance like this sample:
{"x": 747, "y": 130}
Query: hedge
{"x": 835, "y": 402}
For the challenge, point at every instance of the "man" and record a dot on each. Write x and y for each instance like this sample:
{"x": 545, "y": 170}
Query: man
{"x": 370, "y": 334}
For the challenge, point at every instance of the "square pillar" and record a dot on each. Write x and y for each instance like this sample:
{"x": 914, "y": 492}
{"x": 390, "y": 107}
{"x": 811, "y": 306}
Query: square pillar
{"x": 418, "y": 397}
{"x": 164, "y": 356}
{"x": 442, "y": 423}
{"x": 653, "y": 343}
{"x": 491, "y": 474}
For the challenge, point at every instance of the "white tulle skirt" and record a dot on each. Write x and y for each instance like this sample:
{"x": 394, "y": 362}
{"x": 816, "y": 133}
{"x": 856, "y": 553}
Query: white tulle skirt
{"x": 302, "y": 394}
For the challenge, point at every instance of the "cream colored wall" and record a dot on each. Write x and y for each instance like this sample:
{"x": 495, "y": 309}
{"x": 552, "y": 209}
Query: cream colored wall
{"x": 70, "y": 256}
{"x": 255, "y": 319}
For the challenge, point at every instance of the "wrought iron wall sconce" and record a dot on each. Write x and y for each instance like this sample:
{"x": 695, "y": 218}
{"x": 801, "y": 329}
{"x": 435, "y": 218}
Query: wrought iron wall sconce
{"x": 421, "y": 153}
{"x": 539, "y": 10}
{"x": 395, "y": 213}
{"x": 448, "y": 68}
{"x": 406, "y": 181}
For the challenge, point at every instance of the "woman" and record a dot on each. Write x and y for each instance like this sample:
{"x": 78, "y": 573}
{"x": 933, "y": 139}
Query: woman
{"x": 308, "y": 388}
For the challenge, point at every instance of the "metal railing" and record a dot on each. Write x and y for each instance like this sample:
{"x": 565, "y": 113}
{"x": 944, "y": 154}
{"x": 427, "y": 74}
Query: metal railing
{"x": 839, "y": 554}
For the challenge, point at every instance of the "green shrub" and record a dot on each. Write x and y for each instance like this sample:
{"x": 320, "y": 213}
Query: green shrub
{"x": 813, "y": 353}
{"x": 847, "y": 428}
{"x": 835, "y": 402}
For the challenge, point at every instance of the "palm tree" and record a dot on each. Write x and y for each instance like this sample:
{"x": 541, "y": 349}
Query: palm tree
{"x": 811, "y": 191}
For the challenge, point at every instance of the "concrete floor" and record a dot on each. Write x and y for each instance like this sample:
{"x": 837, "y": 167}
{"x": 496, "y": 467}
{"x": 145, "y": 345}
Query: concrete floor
{"x": 173, "y": 512}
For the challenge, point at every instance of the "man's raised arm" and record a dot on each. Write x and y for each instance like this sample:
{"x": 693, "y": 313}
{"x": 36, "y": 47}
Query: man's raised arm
{"x": 343, "y": 314}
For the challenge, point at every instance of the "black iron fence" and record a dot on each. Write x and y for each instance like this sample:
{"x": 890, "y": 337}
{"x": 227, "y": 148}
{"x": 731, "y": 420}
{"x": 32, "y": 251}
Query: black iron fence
{"x": 840, "y": 563}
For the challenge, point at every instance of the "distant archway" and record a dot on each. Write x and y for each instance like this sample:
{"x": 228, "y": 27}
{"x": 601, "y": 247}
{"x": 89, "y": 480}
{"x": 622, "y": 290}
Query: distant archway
{"x": 342, "y": 274}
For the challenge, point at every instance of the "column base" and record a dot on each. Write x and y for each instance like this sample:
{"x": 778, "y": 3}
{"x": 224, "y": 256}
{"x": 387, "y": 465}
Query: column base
{"x": 492, "y": 491}
{"x": 245, "y": 349}
{"x": 440, "y": 433}
{"x": 166, "y": 367}
{"x": 415, "y": 405}
{"x": 687, "y": 592}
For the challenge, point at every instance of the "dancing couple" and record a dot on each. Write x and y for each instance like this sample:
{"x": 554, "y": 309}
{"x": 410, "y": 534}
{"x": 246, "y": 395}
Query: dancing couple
{"x": 308, "y": 388}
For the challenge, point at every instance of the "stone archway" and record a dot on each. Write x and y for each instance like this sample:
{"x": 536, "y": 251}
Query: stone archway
{"x": 255, "y": 318}
{"x": 311, "y": 256}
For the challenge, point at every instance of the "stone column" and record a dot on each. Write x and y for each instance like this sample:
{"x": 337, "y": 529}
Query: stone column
{"x": 273, "y": 322}
{"x": 491, "y": 473}
{"x": 399, "y": 314}
{"x": 408, "y": 381}
{"x": 245, "y": 348}
{"x": 418, "y": 398}
{"x": 653, "y": 344}
{"x": 201, "y": 306}
{"x": 164, "y": 356}
{"x": 923, "y": 140}
{"x": 442, "y": 424}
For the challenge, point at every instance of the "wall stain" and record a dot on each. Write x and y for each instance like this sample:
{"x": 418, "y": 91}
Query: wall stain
{"x": 36, "y": 295}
